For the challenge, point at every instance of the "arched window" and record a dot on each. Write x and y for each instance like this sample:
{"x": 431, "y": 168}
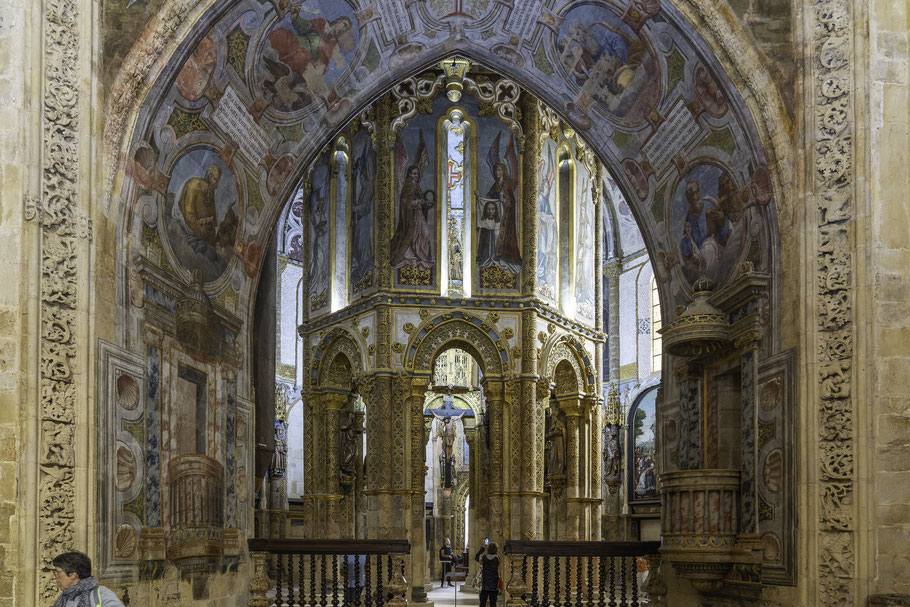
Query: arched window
{"x": 457, "y": 156}
{"x": 642, "y": 448}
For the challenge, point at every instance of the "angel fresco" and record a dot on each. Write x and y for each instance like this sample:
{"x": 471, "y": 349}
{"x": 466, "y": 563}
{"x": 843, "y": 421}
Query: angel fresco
{"x": 412, "y": 243}
{"x": 299, "y": 54}
{"x": 498, "y": 212}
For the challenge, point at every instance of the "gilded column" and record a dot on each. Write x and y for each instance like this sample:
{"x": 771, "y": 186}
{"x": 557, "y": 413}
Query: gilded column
{"x": 530, "y": 119}
{"x": 574, "y": 478}
{"x": 531, "y": 434}
{"x": 378, "y": 498}
{"x": 477, "y": 529}
{"x": 494, "y": 392}
{"x": 612, "y": 271}
{"x": 417, "y": 455}
{"x": 384, "y": 192}
{"x": 332, "y": 488}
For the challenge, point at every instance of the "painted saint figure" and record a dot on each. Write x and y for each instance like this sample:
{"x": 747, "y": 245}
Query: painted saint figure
{"x": 362, "y": 214}
{"x": 198, "y": 214}
{"x": 412, "y": 243}
{"x": 319, "y": 225}
{"x": 487, "y": 231}
{"x": 708, "y": 224}
{"x": 502, "y": 193}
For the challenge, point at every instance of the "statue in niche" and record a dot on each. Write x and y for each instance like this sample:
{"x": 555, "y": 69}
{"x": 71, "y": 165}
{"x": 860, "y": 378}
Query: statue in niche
{"x": 612, "y": 459}
{"x": 348, "y": 430}
{"x": 280, "y": 458}
{"x": 555, "y": 447}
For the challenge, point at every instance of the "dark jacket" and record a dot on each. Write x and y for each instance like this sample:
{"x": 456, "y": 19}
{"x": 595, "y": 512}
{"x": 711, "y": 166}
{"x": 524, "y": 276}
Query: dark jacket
{"x": 489, "y": 569}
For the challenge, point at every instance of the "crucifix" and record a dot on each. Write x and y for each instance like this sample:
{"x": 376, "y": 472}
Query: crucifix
{"x": 448, "y": 414}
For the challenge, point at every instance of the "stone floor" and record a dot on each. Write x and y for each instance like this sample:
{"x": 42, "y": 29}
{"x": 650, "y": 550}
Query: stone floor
{"x": 451, "y": 597}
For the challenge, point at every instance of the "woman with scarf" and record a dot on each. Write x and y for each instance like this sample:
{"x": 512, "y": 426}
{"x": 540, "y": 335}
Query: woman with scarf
{"x": 73, "y": 574}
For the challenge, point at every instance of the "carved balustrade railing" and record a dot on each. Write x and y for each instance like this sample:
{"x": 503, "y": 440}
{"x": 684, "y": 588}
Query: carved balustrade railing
{"x": 564, "y": 574}
{"x": 328, "y": 573}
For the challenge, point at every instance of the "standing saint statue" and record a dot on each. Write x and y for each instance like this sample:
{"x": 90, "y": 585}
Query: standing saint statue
{"x": 556, "y": 445}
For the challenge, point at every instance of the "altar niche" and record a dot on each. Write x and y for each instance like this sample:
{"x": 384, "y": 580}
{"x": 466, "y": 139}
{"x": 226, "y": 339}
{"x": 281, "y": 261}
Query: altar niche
{"x": 453, "y": 412}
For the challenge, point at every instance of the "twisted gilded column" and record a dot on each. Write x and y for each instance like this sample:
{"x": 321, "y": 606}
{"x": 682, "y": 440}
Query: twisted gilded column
{"x": 574, "y": 490}
{"x": 333, "y": 402}
{"x": 416, "y": 455}
{"x": 531, "y": 433}
{"x": 495, "y": 393}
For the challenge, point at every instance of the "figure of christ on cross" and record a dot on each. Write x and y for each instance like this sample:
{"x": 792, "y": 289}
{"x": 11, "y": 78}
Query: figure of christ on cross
{"x": 448, "y": 415}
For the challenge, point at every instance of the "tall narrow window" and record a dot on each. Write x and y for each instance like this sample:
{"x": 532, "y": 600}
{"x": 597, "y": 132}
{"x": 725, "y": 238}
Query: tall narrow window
{"x": 655, "y": 327}
{"x": 456, "y": 174}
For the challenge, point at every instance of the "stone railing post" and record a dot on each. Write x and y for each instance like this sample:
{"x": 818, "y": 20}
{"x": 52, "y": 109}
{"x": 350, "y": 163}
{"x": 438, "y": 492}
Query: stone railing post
{"x": 260, "y": 584}
{"x": 517, "y": 586}
{"x": 398, "y": 585}
{"x": 655, "y": 587}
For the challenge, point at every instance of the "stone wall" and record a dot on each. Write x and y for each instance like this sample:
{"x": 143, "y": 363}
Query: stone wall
{"x": 887, "y": 296}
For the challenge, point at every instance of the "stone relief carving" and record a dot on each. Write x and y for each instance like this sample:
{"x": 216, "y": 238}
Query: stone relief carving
{"x": 832, "y": 76}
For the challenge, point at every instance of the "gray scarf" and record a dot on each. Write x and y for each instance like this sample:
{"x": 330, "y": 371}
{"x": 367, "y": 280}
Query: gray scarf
{"x": 81, "y": 590}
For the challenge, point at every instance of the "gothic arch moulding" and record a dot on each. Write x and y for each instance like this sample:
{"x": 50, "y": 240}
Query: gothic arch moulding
{"x": 335, "y": 350}
{"x": 565, "y": 348}
{"x": 462, "y": 330}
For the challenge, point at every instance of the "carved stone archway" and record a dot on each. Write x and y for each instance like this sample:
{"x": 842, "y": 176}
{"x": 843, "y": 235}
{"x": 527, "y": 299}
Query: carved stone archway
{"x": 458, "y": 330}
{"x": 337, "y": 342}
{"x": 564, "y": 348}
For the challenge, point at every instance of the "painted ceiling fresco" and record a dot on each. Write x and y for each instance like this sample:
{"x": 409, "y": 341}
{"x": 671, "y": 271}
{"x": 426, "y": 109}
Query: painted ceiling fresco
{"x": 226, "y": 133}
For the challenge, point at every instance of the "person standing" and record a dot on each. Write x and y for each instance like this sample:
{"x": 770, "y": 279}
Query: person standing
{"x": 446, "y": 557}
{"x": 489, "y": 573}
{"x": 73, "y": 574}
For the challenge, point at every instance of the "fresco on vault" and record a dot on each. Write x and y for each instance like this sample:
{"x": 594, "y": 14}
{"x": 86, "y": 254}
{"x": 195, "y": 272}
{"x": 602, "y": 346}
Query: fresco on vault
{"x": 363, "y": 173}
{"x": 304, "y": 54}
{"x": 497, "y": 210}
{"x": 202, "y": 212}
{"x": 706, "y": 215}
{"x": 547, "y": 229}
{"x": 318, "y": 278}
{"x": 611, "y": 65}
{"x": 413, "y": 245}
{"x": 196, "y": 75}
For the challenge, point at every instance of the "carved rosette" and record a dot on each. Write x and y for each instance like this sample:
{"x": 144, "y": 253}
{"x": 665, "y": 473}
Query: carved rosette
{"x": 832, "y": 84}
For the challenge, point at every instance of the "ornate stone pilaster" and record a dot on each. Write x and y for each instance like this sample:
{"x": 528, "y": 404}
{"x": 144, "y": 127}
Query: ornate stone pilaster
{"x": 595, "y": 456}
{"x": 831, "y": 84}
{"x": 63, "y": 231}
{"x": 530, "y": 123}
